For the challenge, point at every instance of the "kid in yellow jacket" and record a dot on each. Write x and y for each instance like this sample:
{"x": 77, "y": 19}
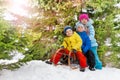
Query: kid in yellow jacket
{"x": 71, "y": 43}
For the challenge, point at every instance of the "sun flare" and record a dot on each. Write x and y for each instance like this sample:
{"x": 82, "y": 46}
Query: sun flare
{"x": 18, "y": 7}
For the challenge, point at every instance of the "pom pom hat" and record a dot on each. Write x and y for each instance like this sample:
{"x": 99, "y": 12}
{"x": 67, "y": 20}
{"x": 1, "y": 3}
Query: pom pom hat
{"x": 79, "y": 24}
{"x": 83, "y": 16}
{"x": 66, "y": 28}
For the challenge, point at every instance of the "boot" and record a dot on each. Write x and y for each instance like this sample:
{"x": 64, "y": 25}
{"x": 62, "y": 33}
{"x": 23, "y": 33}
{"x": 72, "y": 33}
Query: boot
{"x": 48, "y": 62}
{"x": 92, "y": 69}
{"x": 82, "y": 69}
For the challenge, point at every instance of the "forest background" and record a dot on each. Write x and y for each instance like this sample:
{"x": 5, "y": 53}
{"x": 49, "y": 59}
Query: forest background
{"x": 34, "y": 28}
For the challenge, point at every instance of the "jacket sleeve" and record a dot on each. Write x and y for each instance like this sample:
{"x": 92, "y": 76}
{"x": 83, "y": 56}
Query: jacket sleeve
{"x": 87, "y": 44}
{"x": 91, "y": 31}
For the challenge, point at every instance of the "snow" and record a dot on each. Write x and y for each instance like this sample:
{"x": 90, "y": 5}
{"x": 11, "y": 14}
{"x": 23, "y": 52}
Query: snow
{"x": 117, "y": 5}
{"x": 16, "y": 56}
{"x": 117, "y": 18}
{"x": 108, "y": 53}
{"x": 39, "y": 70}
{"x": 108, "y": 42}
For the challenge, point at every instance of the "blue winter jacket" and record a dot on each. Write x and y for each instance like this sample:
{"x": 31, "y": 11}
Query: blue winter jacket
{"x": 86, "y": 41}
{"x": 91, "y": 32}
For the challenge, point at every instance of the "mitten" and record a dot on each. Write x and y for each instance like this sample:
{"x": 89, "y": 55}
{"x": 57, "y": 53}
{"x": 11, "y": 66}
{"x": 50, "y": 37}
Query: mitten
{"x": 62, "y": 47}
{"x": 74, "y": 51}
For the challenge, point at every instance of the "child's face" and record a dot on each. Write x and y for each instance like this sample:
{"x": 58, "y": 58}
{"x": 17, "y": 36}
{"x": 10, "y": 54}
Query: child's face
{"x": 80, "y": 29}
{"x": 84, "y": 21}
{"x": 69, "y": 32}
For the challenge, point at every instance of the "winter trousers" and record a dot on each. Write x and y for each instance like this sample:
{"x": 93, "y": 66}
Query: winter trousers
{"x": 98, "y": 63}
{"x": 81, "y": 58}
{"x": 90, "y": 59}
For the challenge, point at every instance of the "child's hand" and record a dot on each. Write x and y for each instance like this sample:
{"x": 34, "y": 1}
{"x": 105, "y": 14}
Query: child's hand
{"x": 74, "y": 51}
{"x": 87, "y": 30}
{"x": 62, "y": 47}
{"x": 82, "y": 29}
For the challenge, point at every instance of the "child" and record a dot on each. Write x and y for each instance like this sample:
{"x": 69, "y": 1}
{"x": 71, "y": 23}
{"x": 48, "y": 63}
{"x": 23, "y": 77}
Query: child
{"x": 71, "y": 43}
{"x": 84, "y": 19}
{"x": 86, "y": 46}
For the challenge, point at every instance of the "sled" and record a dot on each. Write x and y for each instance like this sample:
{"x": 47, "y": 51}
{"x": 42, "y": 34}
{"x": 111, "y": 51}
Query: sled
{"x": 69, "y": 61}
{"x": 72, "y": 66}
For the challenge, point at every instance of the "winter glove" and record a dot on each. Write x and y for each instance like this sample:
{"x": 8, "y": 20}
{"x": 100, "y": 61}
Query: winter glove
{"x": 62, "y": 47}
{"x": 74, "y": 51}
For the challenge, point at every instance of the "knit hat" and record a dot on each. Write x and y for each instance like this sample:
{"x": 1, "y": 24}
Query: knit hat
{"x": 79, "y": 24}
{"x": 83, "y": 16}
{"x": 66, "y": 28}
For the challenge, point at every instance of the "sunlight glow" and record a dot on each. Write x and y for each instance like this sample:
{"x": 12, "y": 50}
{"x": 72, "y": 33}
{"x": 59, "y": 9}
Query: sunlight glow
{"x": 18, "y": 7}
{"x": 16, "y": 10}
{"x": 8, "y": 16}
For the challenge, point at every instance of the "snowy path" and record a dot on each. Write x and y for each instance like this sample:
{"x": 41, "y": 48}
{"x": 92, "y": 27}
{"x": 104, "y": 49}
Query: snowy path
{"x": 38, "y": 70}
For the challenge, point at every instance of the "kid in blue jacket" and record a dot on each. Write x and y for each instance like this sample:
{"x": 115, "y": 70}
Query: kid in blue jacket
{"x": 86, "y": 46}
{"x": 87, "y": 22}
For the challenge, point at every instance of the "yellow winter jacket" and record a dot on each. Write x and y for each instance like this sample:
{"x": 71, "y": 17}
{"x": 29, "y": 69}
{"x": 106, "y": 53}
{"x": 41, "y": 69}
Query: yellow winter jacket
{"x": 73, "y": 42}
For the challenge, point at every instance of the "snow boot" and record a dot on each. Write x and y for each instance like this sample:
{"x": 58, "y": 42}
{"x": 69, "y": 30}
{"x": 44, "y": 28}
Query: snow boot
{"x": 82, "y": 69}
{"x": 48, "y": 62}
{"x": 91, "y": 69}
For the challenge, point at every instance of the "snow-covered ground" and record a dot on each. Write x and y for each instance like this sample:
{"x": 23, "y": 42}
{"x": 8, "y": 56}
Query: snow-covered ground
{"x": 38, "y": 70}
